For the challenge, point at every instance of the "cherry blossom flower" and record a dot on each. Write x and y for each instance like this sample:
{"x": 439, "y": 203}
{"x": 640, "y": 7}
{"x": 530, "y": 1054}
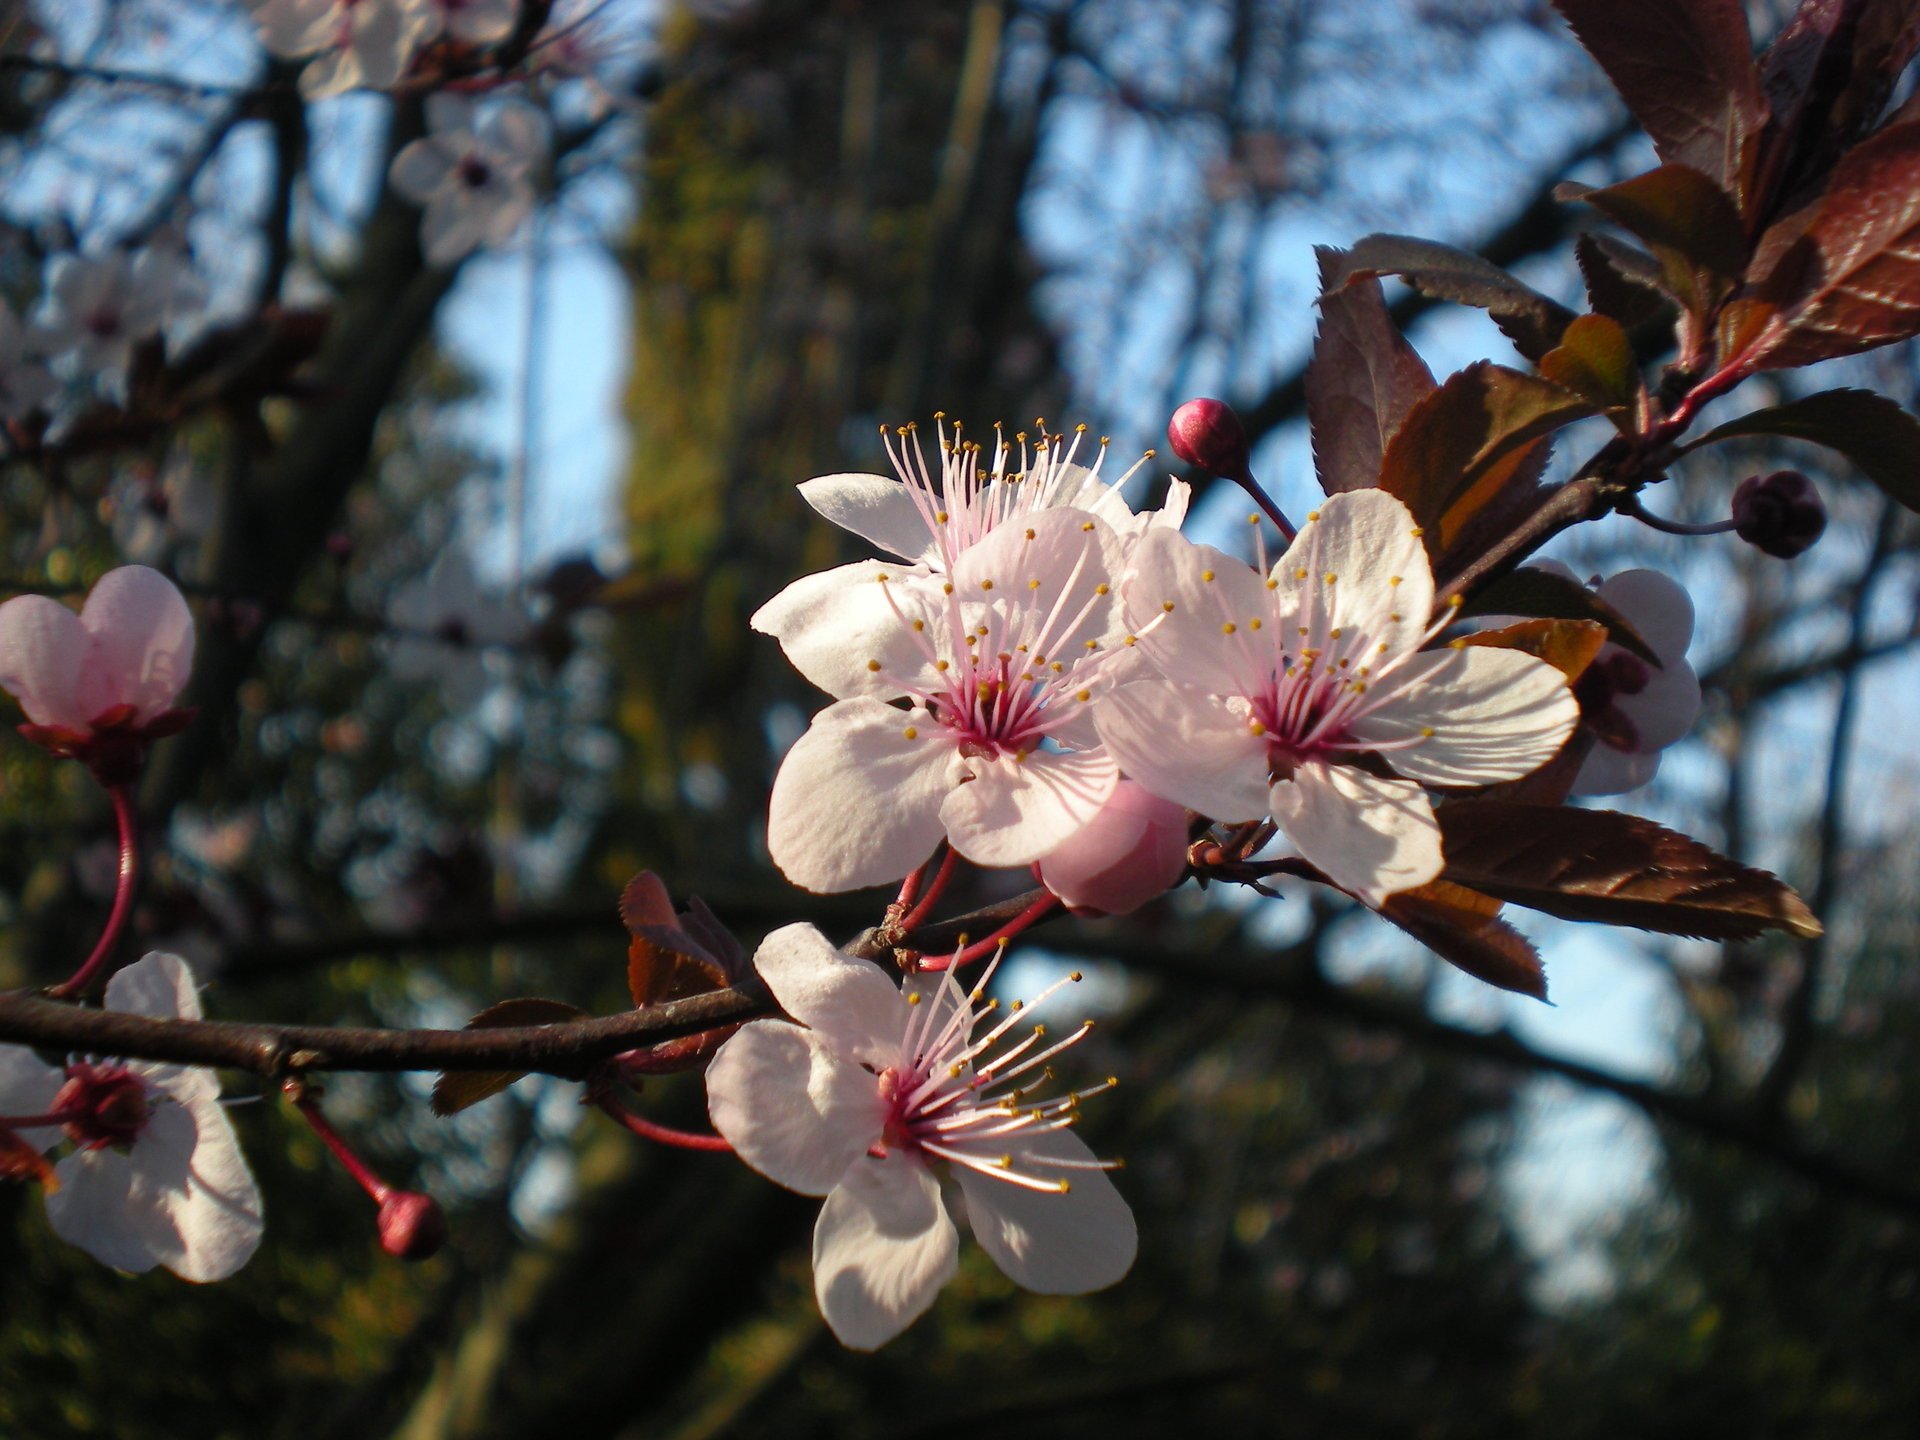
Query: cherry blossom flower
{"x": 932, "y": 520}
{"x": 448, "y": 622}
{"x": 1633, "y": 709}
{"x": 473, "y": 172}
{"x": 98, "y": 308}
{"x": 101, "y": 684}
{"x": 362, "y": 42}
{"x": 25, "y": 384}
{"x": 1282, "y": 690}
{"x": 155, "y": 1176}
{"x": 477, "y": 22}
{"x": 874, "y": 1088}
{"x": 1135, "y": 849}
{"x": 999, "y": 661}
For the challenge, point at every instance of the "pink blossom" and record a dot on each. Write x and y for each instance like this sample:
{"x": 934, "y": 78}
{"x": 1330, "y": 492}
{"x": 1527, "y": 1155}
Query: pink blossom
{"x": 1634, "y": 709}
{"x": 155, "y": 1175}
{"x": 113, "y": 670}
{"x": 996, "y": 751}
{"x": 1274, "y": 693}
{"x": 874, "y": 1090}
{"x": 1135, "y": 849}
{"x": 472, "y": 172}
{"x": 361, "y": 42}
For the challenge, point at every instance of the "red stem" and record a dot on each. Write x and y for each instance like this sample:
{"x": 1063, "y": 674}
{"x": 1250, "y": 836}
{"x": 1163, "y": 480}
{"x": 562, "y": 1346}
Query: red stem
{"x": 33, "y": 1122}
{"x": 980, "y": 949}
{"x": 93, "y": 970}
{"x": 309, "y": 1108}
{"x": 663, "y": 1134}
{"x": 934, "y": 891}
{"x": 909, "y": 889}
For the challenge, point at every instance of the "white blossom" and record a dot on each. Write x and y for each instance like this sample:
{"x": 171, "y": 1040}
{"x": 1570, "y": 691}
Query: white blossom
{"x": 472, "y": 172}
{"x": 366, "y": 43}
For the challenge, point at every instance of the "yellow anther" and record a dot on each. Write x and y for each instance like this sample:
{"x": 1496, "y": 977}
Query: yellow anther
{"x": 919, "y": 624}
{"x": 910, "y": 733}
{"x": 1133, "y": 639}
{"x": 1253, "y": 519}
{"x": 1253, "y": 624}
{"x": 941, "y": 666}
{"x": 1454, "y": 602}
{"x": 1101, "y": 588}
{"x": 883, "y": 577}
{"x": 1167, "y": 606}
{"x": 1033, "y": 584}
{"x": 1272, "y": 584}
{"x": 1301, "y": 573}
{"x": 1093, "y": 644}
{"x": 1312, "y": 515}
{"x": 1329, "y": 577}
{"x": 1088, "y": 527}
{"x": 1076, "y": 977}
{"x": 873, "y": 665}
{"x": 986, "y": 584}
{"x": 1426, "y": 732}
{"x": 1254, "y": 727}
{"x": 1206, "y": 575}
{"x": 1229, "y": 628}
{"x": 941, "y": 516}
{"x": 1393, "y": 580}
{"x": 947, "y": 588}
{"x": 1459, "y": 644}
{"x": 913, "y": 997}
{"x": 1065, "y": 1187}
{"x": 1334, "y": 633}
{"x": 1084, "y": 695}
{"x": 1418, "y": 531}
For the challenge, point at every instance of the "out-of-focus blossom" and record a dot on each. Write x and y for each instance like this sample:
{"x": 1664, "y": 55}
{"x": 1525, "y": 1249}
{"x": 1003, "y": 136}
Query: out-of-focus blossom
{"x": 153, "y": 514}
{"x": 446, "y": 622}
{"x": 1135, "y": 849}
{"x": 875, "y": 1088}
{"x": 473, "y": 173}
{"x": 98, "y": 308}
{"x": 1273, "y": 691}
{"x": 477, "y": 22}
{"x": 155, "y": 1176}
{"x": 366, "y": 43}
{"x": 997, "y": 752}
{"x": 25, "y": 384}
{"x": 101, "y": 684}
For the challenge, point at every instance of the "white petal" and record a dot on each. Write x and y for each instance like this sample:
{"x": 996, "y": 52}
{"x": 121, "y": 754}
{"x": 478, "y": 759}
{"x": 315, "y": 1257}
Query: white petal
{"x": 848, "y": 1002}
{"x": 1187, "y": 747}
{"x": 875, "y": 508}
{"x": 1657, "y": 606}
{"x": 856, "y": 801}
{"x": 334, "y": 72}
{"x": 157, "y": 984}
{"x": 103, "y": 1206}
{"x": 1372, "y": 837}
{"x": 296, "y": 27}
{"x": 1365, "y": 539}
{"x": 1173, "y": 512}
{"x": 1607, "y": 771}
{"x": 1014, "y": 811}
{"x": 1495, "y": 715}
{"x": 27, "y": 1088}
{"x": 515, "y": 134}
{"x": 452, "y": 229}
{"x": 1665, "y": 711}
{"x": 450, "y": 117}
{"x": 142, "y": 642}
{"x": 1052, "y": 1244}
{"x": 216, "y": 1215}
{"x": 1181, "y": 599}
{"x": 831, "y": 624}
{"x": 882, "y": 1248}
{"x": 420, "y": 169}
{"x": 43, "y": 646}
{"x": 1052, "y": 568}
{"x": 795, "y": 1110}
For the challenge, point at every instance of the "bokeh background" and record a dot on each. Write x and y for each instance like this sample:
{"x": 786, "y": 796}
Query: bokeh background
{"x": 473, "y": 651}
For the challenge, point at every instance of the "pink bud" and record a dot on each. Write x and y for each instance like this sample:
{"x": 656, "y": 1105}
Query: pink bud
{"x": 1133, "y": 850}
{"x": 1208, "y": 435}
{"x": 412, "y": 1225}
{"x": 1780, "y": 513}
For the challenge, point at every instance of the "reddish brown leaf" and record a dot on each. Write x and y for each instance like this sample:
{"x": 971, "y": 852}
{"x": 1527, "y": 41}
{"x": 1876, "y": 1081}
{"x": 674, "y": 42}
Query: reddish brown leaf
{"x": 1686, "y": 70}
{"x": 645, "y": 902}
{"x": 455, "y": 1090}
{"x": 1545, "y": 595}
{"x": 1870, "y": 430}
{"x": 1567, "y": 645}
{"x": 1626, "y": 284}
{"x": 673, "y": 955}
{"x": 1363, "y": 379}
{"x": 1531, "y": 320}
{"x": 1690, "y": 225}
{"x": 1595, "y": 359}
{"x": 1851, "y": 279}
{"x": 1473, "y": 437}
{"x": 1615, "y": 869}
{"x": 1461, "y": 927}
{"x": 20, "y": 1161}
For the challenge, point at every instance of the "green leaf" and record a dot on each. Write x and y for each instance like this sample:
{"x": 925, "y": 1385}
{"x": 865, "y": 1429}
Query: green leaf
{"x": 1616, "y": 869}
{"x": 1531, "y": 320}
{"x": 1686, "y": 70}
{"x": 1690, "y": 225}
{"x": 1870, "y": 430}
{"x": 1477, "y": 435}
{"x": 455, "y": 1090}
{"x": 1544, "y": 595}
{"x": 1595, "y": 359}
{"x": 1362, "y": 381}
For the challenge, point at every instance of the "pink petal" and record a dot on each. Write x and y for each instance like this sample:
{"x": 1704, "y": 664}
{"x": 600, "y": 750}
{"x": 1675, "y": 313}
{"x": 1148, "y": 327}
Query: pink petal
{"x": 142, "y": 643}
{"x": 1134, "y": 850}
{"x": 849, "y": 1003}
{"x": 1056, "y": 559}
{"x": 1187, "y": 747}
{"x": 158, "y": 985}
{"x": 857, "y": 800}
{"x": 831, "y": 624}
{"x": 1495, "y": 715}
{"x": 1657, "y": 606}
{"x": 1015, "y": 811}
{"x": 1365, "y": 539}
{"x": 794, "y": 1108}
{"x": 1607, "y": 771}
{"x": 1052, "y": 1244}
{"x": 1665, "y": 711}
{"x": 873, "y": 507}
{"x": 882, "y": 1249}
{"x": 43, "y": 646}
{"x": 1182, "y": 597}
{"x": 421, "y": 168}
{"x": 1372, "y": 837}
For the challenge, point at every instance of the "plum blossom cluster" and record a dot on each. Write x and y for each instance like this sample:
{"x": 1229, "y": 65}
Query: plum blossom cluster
{"x": 372, "y": 43}
{"x": 1040, "y": 643}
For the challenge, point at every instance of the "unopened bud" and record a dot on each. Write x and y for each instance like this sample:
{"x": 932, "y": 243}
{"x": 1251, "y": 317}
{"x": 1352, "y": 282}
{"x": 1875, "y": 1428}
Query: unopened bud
{"x": 1208, "y": 435}
{"x": 1133, "y": 850}
{"x": 412, "y": 1225}
{"x": 1780, "y": 513}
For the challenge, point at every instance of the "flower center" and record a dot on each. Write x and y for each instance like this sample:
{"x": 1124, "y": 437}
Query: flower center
{"x": 475, "y": 172}
{"x": 1599, "y": 690}
{"x": 102, "y": 1105}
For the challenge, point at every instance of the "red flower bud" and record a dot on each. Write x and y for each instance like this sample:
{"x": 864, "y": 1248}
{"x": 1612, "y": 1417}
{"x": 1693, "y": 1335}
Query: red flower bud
{"x": 412, "y": 1225}
{"x": 1208, "y": 435}
{"x": 1780, "y": 513}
